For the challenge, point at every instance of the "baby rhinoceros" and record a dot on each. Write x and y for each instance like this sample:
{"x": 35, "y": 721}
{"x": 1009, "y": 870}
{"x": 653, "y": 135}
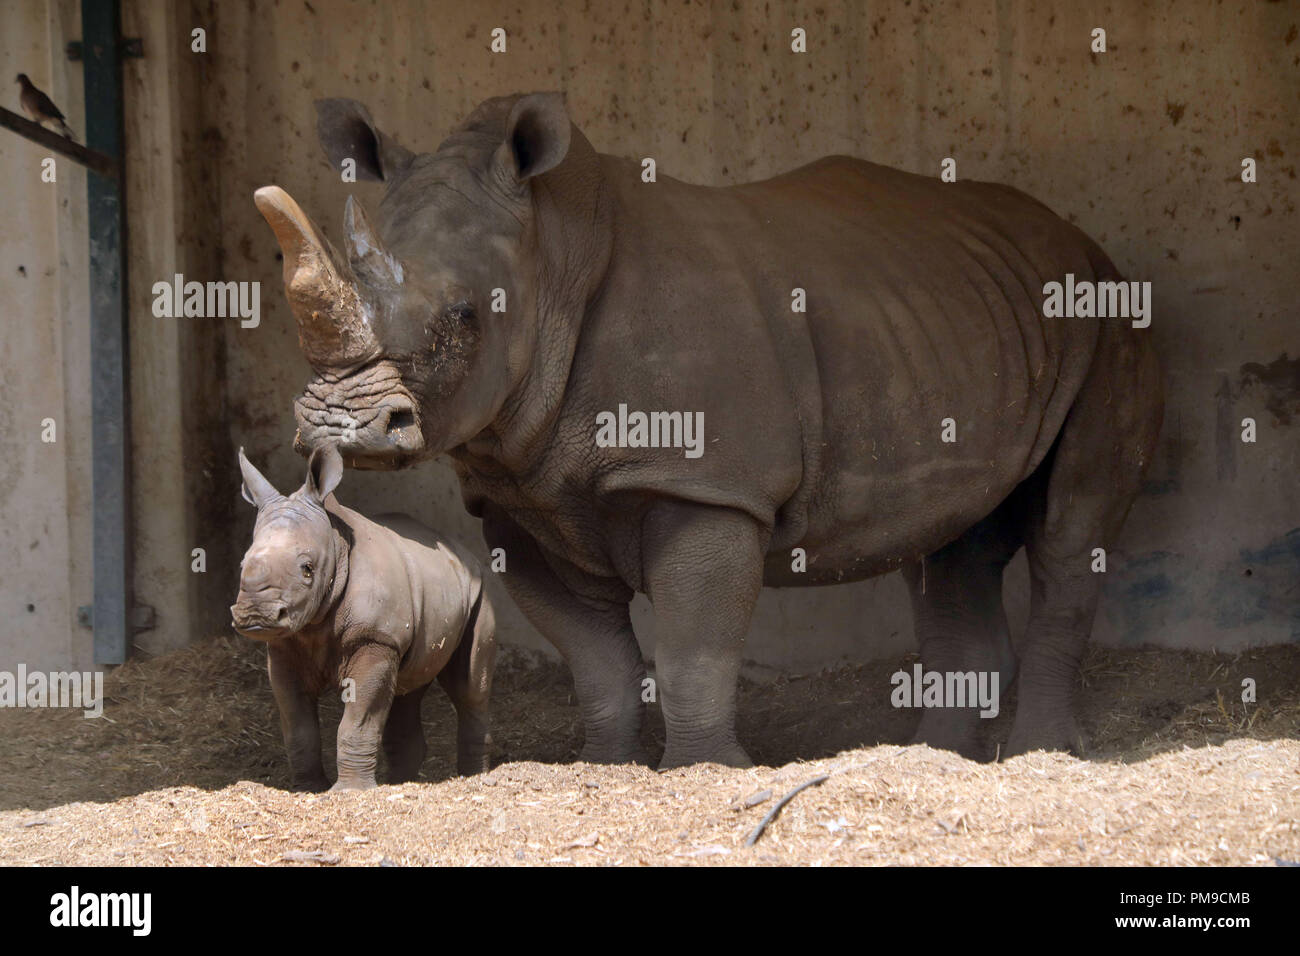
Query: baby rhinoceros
{"x": 379, "y": 608}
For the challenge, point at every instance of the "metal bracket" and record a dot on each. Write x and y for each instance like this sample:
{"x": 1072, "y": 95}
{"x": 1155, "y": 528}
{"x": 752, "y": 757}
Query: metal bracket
{"x": 143, "y": 617}
{"x": 128, "y": 47}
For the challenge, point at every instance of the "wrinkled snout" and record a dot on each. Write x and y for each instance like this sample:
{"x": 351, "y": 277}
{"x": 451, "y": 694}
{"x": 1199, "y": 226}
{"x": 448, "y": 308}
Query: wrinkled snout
{"x": 372, "y": 418}
{"x": 259, "y": 618}
{"x": 259, "y": 611}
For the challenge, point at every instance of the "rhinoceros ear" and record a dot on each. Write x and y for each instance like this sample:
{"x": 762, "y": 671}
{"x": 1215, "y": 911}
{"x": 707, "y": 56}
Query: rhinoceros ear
{"x": 537, "y": 136}
{"x": 256, "y": 489}
{"x": 346, "y": 131}
{"x": 324, "y": 472}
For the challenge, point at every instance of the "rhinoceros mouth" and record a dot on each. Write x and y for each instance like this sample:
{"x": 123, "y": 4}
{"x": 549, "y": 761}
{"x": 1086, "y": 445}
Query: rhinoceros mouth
{"x": 263, "y": 632}
{"x": 261, "y": 622}
{"x": 372, "y": 418}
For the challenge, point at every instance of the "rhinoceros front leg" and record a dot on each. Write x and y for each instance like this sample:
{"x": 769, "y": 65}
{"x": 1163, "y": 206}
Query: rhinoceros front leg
{"x": 587, "y": 619}
{"x": 702, "y": 567}
{"x": 299, "y": 722}
{"x": 373, "y": 671}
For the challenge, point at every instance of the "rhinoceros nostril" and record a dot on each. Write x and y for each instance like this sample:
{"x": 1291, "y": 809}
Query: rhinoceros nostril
{"x": 282, "y": 615}
{"x": 402, "y": 418}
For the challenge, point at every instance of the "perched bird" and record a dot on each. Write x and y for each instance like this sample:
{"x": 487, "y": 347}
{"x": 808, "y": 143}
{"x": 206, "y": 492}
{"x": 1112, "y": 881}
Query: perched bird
{"x": 40, "y": 107}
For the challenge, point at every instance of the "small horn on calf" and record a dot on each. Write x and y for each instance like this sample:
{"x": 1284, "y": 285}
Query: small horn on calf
{"x": 367, "y": 257}
{"x": 333, "y": 329}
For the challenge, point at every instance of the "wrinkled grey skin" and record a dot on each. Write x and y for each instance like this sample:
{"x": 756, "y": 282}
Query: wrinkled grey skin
{"x": 386, "y": 603}
{"x": 822, "y": 429}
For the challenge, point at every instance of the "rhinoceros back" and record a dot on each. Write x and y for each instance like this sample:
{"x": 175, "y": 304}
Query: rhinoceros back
{"x": 922, "y": 301}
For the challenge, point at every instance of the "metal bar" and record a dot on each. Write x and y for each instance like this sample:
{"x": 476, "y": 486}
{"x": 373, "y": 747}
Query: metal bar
{"x": 91, "y": 159}
{"x": 100, "y": 30}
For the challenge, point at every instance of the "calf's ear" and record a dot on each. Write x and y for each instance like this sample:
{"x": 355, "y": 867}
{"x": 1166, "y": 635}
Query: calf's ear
{"x": 346, "y": 131}
{"x": 324, "y": 471}
{"x": 256, "y": 489}
{"x": 537, "y": 136}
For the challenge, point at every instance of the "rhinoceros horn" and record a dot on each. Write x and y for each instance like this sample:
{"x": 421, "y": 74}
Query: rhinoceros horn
{"x": 370, "y": 262}
{"x": 333, "y": 319}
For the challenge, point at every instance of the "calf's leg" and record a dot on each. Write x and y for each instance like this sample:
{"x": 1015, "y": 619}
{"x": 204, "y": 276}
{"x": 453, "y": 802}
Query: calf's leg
{"x": 467, "y": 679}
{"x": 299, "y": 722}
{"x": 403, "y": 739}
{"x": 373, "y": 669}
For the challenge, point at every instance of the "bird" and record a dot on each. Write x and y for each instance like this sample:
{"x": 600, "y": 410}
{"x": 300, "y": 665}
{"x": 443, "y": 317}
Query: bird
{"x": 40, "y": 107}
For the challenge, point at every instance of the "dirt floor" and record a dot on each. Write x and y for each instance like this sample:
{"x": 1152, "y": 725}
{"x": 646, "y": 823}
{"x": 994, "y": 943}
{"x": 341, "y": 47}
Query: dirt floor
{"x": 186, "y": 767}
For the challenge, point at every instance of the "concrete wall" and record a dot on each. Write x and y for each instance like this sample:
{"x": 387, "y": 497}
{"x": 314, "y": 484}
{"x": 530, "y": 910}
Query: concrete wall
{"x": 1140, "y": 145}
{"x": 178, "y": 421}
{"x": 44, "y": 361}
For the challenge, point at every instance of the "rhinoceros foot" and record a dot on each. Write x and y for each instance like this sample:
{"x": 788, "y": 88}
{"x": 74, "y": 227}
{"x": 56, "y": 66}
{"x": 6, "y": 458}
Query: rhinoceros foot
{"x": 952, "y": 729}
{"x": 603, "y": 752}
{"x": 1062, "y": 734}
{"x": 728, "y": 754}
{"x": 312, "y": 784}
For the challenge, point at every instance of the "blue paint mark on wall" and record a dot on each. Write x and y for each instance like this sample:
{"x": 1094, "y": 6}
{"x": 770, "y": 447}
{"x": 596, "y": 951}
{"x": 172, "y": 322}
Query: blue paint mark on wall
{"x": 1264, "y": 585}
{"x": 1150, "y": 594}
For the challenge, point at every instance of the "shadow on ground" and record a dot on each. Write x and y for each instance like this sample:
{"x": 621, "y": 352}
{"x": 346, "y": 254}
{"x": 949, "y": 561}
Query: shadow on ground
{"x": 205, "y": 717}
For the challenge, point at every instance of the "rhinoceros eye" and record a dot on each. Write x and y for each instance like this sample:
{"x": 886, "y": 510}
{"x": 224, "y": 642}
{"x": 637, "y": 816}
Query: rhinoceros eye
{"x": 460, "y": 312}
{"x": 307, "y": 570}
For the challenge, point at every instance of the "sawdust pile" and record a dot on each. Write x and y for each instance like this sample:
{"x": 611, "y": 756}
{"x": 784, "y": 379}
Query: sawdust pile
{"x": 187, "y": 768}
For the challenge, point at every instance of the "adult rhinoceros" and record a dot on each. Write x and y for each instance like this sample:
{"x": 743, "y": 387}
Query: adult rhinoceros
{"x": 822, "y": 428}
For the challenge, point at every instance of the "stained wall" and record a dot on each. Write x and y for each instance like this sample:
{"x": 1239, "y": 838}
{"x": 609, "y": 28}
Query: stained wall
{"x": 1141, "y": 146}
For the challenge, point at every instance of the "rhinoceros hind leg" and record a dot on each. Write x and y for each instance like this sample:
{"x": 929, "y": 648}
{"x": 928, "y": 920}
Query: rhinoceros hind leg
{"x": 467, "y": 679}
{"x": 1095, "y": 472}
{"x": 961, "y": 625}
{"x": 588, "y": 621}
{"x": 403, "y": 739}
{"x": 1063, "y": 603}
